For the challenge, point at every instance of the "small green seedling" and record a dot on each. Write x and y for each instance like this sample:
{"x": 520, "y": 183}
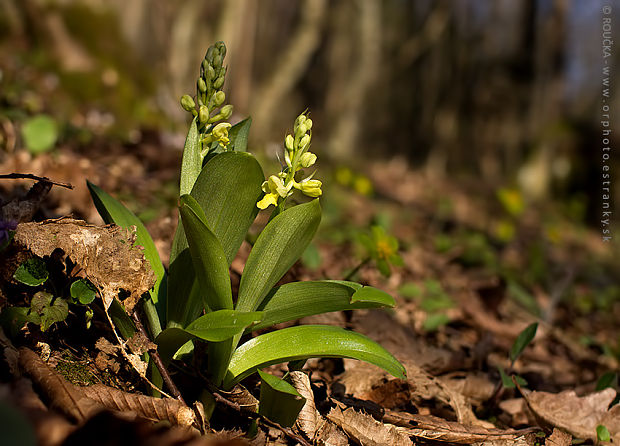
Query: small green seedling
{"x": 522, "y": 341}
{"x": 222, "y": 188}
{"x": 46, "y": 308}
{"x": 602, "y": 433}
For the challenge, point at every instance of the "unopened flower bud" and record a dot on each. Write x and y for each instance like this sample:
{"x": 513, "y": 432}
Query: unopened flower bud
{"x": 226, "y": 111}
{"x": 300, "y": 120}
{"x": 203, "y": 114}
{"x": 300, "y": 131}
{"x": 209, "y": 55}
{"x": 218, "y": 82}
{"x": 187, "y": 103}
{"x": 307, "y": 159}
{"x": 221, "y": 46}
{"x": 217, "y": 60}
{"x": 305, "y": 140}
{"x": 308, "y": 124}
{"x": 219, "y": 98}
{"x": 311, "y": 188}
{"x": 202, "y": 85}
{"x": 210, "y": 73}
{"x": 288, "y": 142}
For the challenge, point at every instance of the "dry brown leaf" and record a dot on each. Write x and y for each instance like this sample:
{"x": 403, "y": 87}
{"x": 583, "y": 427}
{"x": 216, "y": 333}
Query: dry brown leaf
{"x": 330, "y": 435}
{"x": 559, "y": 438}
{"x": 477, "y": 387}
{"x": 81, "y": 403}
{"x": 367, "y": 431}
{"x": 105, "y": 253}
{"x": 308, "y": 418}
{"x": 434, "y": 428}
{"x": 517, "y": 409}
{"x": 578, "y": 416}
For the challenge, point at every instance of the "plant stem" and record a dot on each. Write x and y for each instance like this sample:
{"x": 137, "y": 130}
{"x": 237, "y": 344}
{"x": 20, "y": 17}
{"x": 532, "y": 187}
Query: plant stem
{"x": 351, "y": 273}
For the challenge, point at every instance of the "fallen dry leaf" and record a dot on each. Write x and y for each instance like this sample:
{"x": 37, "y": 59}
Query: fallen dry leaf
{"x": 308, "y": 418}
{"x": 81, "y": 403}
{"x": 367, "y": 431}
{"x": 105, "y": 253}
{"x": 433, "y": 428}
{"x": 559, "y": 438}
{"x": 577, "y": 415}
{"x": 330, "y": 435}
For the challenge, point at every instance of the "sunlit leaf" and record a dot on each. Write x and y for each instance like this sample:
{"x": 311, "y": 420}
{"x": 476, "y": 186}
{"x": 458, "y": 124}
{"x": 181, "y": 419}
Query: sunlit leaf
{"x": 46, "y": 311}
{"x": 300, "y": 299}
{"x": 277, "y": 248}
{"x": 215, "y": 326}
{"x": 307, "y": 341}
{"x": 208, "y": 256}
{"x": 40, "y": 133}
{"x": 32, "y": 272}
{"x": 192, "y": 160}
{"x": 83, "y": 291}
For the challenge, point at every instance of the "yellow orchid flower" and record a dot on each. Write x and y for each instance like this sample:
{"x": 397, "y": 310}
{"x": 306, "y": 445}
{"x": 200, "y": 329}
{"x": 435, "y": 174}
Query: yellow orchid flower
{"x": 220, "y": 133}
{"x": 274, "y": 188}
{"x": 311, "y": 188}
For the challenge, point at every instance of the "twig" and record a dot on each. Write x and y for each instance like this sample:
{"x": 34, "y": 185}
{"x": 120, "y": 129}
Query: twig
{"x": 158, "y": 362}
{"x": 255, "y": 415}
{"x": 29, "y": 176}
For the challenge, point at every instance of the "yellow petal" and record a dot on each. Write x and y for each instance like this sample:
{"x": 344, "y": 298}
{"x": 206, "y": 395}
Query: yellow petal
{"x": 268, "y": 200}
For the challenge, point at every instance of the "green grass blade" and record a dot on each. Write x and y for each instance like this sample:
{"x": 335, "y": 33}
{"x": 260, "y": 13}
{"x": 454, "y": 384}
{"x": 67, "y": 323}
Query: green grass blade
{"x": 300, "y": 299}
{"x": 207, "y": 255}
{"x": 307, "y": 341}
{"x": 522, "y": 341}
{"x": 113, "y": 211}
{"x": 277, "y": 248}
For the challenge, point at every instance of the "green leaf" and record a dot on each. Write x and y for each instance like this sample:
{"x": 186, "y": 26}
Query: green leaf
{"x": 435, "y": 320}
{"x": 602, "y": 433}
{"x": 524, "y": 338}
{"x": 192, "y": 160}
{"x": 207, "y": 255}
{"x": 113, "y": 211}
{"x": 40, "y": 134}
{"x": 300, "y": 299}
{"x": 307, "y": 341}
{"x": 83, "y": 291}
{"x": 279, "y": 400}
{"x": 608, "y": 379}
{"x": 215, "y": 326}
{"x": 238, "y": 135}
{"x": 507, "y": 380}
{"x": 45, "y": 312}
{"x": 277, "y": 248}
{"x": 32, "y": 272}
{"x": 227, "y": 190}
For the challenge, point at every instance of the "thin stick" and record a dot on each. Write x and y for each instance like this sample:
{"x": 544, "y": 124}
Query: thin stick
{"x": 29, "y": 176}
{"x": 154, "y": 354}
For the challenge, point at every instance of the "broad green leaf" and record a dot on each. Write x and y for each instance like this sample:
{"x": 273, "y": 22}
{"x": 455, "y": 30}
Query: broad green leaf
{"x": 300, "y": 299}
{"x": 46, "y": 311}
{"x": 524, "y": 338}
{"x": 113, "y": 211}
{"x": 32, "y": 272}
{"x": 40, "y": 134}
{"x": 277, "y": 248}
{"x": 192, "y": 160}
{"x": 307, "y": 341}
{"x": 227, "y": 190}
{"x": 609, "y": 379}
{"x": 83, "y": 291}
{"x": 279, "y": 400}
{"x": 207, "y": 255}
{"x": 215, "y": 326}
{"x": 238, "y": 135}
{"x": 121, "y": 320}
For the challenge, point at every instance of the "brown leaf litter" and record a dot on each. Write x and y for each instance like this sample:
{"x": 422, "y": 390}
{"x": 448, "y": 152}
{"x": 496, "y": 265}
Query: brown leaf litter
{"x": 106, "y": 254}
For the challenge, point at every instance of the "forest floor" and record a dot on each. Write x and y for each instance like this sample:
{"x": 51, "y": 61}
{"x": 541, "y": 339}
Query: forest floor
{"x": 479, "y": 266}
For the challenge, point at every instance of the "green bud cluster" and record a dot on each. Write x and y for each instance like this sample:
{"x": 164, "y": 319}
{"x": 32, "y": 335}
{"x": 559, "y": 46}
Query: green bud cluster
{"x": 208, "y": 106}
{"x": 296, "y": 155}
